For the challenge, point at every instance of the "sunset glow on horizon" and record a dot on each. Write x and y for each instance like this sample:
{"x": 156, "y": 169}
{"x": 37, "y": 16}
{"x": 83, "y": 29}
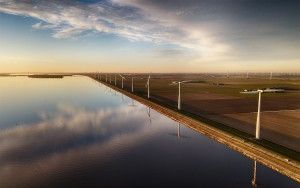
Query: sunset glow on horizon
{"x": 149, "y": 36}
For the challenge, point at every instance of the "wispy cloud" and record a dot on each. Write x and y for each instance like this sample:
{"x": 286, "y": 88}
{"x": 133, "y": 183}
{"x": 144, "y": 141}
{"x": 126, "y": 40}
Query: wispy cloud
{"x": 187, "y": 32}
{"x": 128, "y": 19}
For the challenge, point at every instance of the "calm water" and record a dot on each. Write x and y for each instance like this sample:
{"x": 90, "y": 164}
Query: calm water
{"x": 74, "y": 132}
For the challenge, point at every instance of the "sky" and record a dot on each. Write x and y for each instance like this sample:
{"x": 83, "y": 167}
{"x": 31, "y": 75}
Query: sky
{"x": 149, "y": 35}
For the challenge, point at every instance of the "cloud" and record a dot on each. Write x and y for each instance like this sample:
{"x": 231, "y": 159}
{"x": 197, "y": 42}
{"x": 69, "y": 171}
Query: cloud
{"x": 197, "y": 31}
{"x": 134, "y": 20}
{"x": 68, "y": 128}
{"x": 68, "y": 138}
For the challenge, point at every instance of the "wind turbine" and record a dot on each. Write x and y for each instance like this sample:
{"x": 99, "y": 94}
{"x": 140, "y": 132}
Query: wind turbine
{"x": 271, "y": 75}
{"x": 179, "y": 91}
{"x": 132, "y": 84}
{"x": 122, "y": 80}
{"x": 148, "y": 86}
{"x": 257, "y": 132}
{"x": 115, "y": 80}
{"x": 110, "y": 79}
{"x": 259, "y": 91}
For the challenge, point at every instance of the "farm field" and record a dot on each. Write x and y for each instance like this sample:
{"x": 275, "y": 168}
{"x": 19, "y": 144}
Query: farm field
{"x": 217, "y": 97}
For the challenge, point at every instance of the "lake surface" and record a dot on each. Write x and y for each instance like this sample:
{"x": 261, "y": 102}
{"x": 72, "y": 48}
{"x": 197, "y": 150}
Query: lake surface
{"x": 75, "y": 132}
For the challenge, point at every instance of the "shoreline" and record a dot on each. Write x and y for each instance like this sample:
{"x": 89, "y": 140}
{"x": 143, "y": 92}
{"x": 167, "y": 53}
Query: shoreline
{"x": 278, "y": 162}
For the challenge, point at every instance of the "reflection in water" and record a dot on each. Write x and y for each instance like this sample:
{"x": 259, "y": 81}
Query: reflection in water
{"x": 64, "y": 126}
{"x": 254, "y": 175}
{"x": 96, "y": 139}
{"x": 122, "y": 97}
{"x": 69, "y": 137}
{"x": 178, "y": 131}
{"x": 132, "y": 103}
{"x": 149, "y": 114}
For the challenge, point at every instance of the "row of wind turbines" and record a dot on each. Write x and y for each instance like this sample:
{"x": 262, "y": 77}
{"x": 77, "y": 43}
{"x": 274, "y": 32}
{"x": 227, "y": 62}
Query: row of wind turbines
{"x": 108, "y": 78}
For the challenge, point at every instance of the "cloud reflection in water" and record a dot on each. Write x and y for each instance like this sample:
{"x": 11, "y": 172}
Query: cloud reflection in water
{"x": 70, "y": 138}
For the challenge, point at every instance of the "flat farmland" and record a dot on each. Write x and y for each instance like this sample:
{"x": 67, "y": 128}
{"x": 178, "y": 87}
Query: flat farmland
{"x": 218, "y": 98}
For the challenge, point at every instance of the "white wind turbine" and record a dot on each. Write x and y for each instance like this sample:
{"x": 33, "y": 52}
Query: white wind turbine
{"x": 123, "y": 78}
{"x": 257, "y": 130}
{"x": 115, "y": 79}
{"x": 132, "y": 84}
{"x": 148, "y": 86}
{"x": 179, "y": 91}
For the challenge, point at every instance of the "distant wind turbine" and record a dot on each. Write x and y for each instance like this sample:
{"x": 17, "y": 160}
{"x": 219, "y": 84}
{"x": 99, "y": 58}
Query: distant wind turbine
{"x": 115, "y": 80}
{"x": 148, "y": 86}
{"x": 122, "y": 77}
{"x": 179, "y": 91}
{"x": 132, "y": 83}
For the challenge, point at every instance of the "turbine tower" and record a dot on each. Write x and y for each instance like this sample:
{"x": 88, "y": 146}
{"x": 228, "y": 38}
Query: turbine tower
{"x": 132, "y": 84}
{"x": 179, "y": 96}
{"x": 257, "y": 132}
{"x": 122, "y": 80}
{"x": 179, "y": 91}
{"x": 115, "y": 80}
{"x": 257, "y": 129}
